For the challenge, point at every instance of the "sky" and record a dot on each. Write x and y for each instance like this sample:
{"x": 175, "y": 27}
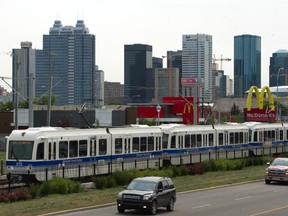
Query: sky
{"x": 159, "y": 23}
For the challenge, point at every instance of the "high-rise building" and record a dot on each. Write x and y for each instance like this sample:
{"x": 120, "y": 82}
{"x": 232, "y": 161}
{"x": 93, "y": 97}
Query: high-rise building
{"x": 68, "y": 59}
{"x": 174, "y": 60}
{"x": 162, "y": 83}
{"x": 114, "y": 93}
{"x": 157, "y": 62}
{"x": 99, "y": 87}
{"x": 247, "y": 63}
{"x": 197, "y": 64}
{"x": 278, "y": 76}
{"x": 23, "y": 61}
{"x": 138, "y": 73}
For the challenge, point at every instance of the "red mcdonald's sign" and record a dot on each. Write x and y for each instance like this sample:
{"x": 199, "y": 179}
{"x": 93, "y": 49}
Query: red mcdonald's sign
{"x": 260, "y": 114}
{"x": 187, "y": 115}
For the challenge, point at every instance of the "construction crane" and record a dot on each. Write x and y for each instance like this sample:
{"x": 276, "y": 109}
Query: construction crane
{"x": 221, "y": 61}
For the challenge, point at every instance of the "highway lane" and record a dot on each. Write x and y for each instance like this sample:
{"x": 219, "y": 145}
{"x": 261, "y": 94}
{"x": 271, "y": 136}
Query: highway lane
{"x": 250, "y": 199}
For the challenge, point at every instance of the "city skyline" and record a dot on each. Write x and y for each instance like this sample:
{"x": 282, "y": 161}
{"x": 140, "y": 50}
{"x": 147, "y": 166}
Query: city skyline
{"x": 160, "y": 24}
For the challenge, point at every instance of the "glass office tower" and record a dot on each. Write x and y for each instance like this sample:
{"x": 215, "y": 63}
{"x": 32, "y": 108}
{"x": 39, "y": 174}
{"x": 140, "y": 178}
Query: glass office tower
{"x": 68, "y": 57}
{"x": 138, "y": 73}
{"x": 278, "y": 60}
{"x": 247, "y": 63}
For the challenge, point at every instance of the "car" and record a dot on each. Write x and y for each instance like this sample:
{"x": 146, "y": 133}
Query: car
{"x": 148, "y": 194}
{"x": 277, "y": 170}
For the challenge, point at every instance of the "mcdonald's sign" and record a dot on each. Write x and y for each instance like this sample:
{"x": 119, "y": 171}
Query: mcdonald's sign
{"x": 187, "y": 115}
{"x": 260, "y": 114}
{"x": 187, "y": 108}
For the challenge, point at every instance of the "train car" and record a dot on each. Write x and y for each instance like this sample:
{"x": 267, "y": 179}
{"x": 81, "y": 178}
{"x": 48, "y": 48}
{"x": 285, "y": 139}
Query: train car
{"x": 266, "y": 134}
{"x": 135, "y": 146}
{"x": 186, "y": 139}
{"x": 43, "y": 152}
{"x": 231, "y": 137}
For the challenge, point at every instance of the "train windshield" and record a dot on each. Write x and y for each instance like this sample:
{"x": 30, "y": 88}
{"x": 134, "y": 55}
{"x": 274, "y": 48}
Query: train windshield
{"x": 20, "y": 150}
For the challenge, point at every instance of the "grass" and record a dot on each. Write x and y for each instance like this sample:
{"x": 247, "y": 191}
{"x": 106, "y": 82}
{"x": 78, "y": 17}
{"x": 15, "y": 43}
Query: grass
{"x": 57, "y": 202}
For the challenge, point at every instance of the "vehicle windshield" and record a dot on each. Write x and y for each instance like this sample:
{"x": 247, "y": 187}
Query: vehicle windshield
{"x": 280, "y": 162}
{"x": 20, "y": 150}
{"x": 142, "y": 185}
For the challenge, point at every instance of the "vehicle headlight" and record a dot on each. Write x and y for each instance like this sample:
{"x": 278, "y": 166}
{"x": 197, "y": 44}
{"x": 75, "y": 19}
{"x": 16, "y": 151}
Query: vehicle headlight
{"x": 120, "y": 195}
{"x": 148, "y": 196}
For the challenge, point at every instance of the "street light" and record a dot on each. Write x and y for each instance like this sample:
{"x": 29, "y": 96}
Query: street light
{"x": 134, "y": 96}
{"x": 158, "y": 108}
{"x": 278, "y": 79}
{"x": 277, "y": 114}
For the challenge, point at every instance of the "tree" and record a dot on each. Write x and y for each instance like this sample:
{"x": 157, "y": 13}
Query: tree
{"x": 44, "y": 100}
{"x": 235, "y": 110}
{"x": 8, "y": 106}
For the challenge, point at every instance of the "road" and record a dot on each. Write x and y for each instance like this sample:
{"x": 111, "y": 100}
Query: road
{"x": 251, "y": 199}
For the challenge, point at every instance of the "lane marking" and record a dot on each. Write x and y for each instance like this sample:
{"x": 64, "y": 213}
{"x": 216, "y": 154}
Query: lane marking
{"x": 202, "y": 206}
{"x": 269, "y": 211}
{"x": 280, "y": 190}
{"x": 241, "y": 198}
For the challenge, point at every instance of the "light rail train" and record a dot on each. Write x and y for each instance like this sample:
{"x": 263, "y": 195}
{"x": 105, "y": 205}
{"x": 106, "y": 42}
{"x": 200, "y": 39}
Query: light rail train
{"x": 44, "y": 152}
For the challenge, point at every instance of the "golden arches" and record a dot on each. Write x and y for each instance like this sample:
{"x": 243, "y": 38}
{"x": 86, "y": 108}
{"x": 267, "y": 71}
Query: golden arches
{"x": 260, "y": 97}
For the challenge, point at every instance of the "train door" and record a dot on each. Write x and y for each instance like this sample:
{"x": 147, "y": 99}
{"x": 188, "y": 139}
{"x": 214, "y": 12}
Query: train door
{"x": 93, "y": 146}
{"x": 180, "y": 141}
{"x": 52, "y": 150}
{"x": 127, "y": 144}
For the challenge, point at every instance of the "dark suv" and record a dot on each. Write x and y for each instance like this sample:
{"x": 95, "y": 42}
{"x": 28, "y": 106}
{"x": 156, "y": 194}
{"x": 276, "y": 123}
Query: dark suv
{"x": 147, "y": 193}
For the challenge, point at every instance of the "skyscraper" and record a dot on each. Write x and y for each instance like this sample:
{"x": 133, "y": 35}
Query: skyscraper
{"x": 23, "y": 67}
{"x": 247, "y": 63}
{"x": 197, "y": 63}
{"x": 138, "y": 73}
{"x": 68, "y": 58}
{"x": 278, "y": 60}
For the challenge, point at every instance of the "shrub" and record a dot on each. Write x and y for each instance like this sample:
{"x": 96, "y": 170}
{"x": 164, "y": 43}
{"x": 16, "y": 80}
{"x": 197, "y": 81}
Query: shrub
{"x": 124, "y": 177}
{"x": 59, "y": 185}
{"x": 99, "y": 182}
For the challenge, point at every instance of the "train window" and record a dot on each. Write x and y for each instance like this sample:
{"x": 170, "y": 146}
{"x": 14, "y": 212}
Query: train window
{"x": 273, "y": 136}
{"x": 83, "y": 148}
{"x": 187, "y": 140}
{"x": 199, "y": 140}
{"x": 193, "y": 141}
{"x": 102, "y": 146}
{"x": 231, "y": 138}
{"x": 143, "y": 144}
{"x": 173, "y": 142}
{"x": 135, "y": 144}
{"x": 118, "y": 146}
{"x": 165, "y": 141}
{"x": 91, "y": 147}
{"x": 241, "y": 137}
{"x": 54, "y": 150}
{"x": 255, "y": 138}
{"x": 211, "y": 139}
{"x": 63, "y": 149}
{"x": 236, "y": 138}
{"x": 150, "y": 143}
{"x": 20, "y": 150}
{"x": 281, "y": 135}
{"x": 49, "y": 150}
{"x": 220, "y": 139}
{"x": 40, "y": 151}
{"x": 73, "y": 148}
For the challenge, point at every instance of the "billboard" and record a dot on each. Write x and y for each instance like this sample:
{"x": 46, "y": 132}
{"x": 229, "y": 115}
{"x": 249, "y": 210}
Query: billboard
{"x": 260, "y": 114}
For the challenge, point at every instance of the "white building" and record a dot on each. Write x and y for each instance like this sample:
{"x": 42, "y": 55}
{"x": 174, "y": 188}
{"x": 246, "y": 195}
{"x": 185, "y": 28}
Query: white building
{"x": 197, "y": 63}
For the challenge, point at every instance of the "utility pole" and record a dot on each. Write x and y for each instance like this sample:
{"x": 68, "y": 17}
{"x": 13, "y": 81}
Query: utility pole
{"x": 50, "y": 88}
